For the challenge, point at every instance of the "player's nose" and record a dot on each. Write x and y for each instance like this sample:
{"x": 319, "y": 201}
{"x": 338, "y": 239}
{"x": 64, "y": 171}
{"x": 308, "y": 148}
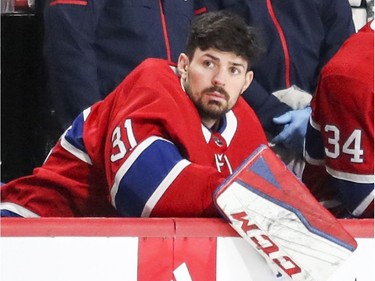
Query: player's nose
{"x": 219, "y": 78}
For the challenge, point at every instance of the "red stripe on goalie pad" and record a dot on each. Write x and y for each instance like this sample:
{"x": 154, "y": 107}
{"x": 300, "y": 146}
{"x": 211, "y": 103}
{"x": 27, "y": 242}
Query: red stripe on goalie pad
{"x": 276, "y": 213}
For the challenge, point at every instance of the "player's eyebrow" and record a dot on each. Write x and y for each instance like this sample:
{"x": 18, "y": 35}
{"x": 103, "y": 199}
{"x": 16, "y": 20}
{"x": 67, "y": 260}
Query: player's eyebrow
{"x": 237, "y": 64}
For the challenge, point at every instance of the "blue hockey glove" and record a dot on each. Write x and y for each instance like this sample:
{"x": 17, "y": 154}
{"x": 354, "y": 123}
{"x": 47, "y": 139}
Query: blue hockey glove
{"x": 295, "y": 124}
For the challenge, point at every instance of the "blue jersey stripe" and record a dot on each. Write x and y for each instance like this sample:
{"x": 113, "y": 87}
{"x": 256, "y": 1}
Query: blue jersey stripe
{"x": 314, "y": 147}
{"x": 152, "y": 165}
{"x": 7, "y": 213}
{"x": 72, "y": 140}
{"x": 351, "y": 193}
{"x": 74, "y": 134}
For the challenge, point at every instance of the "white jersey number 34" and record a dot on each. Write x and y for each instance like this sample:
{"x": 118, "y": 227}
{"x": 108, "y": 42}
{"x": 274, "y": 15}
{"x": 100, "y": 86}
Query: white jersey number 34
{"x": 351, "y": 146}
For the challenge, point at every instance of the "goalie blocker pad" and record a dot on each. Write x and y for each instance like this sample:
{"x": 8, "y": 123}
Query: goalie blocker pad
{"x": 276, "y": 213}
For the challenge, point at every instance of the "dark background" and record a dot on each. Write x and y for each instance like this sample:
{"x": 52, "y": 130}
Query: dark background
{"x": 23, "y": 125}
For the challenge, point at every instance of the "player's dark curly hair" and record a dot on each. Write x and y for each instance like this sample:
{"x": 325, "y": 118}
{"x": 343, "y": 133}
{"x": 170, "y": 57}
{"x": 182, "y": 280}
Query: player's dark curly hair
{"x": 225, "y": 32}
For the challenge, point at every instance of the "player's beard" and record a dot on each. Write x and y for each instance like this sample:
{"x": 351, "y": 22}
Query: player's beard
{"x": 211, "y": 109}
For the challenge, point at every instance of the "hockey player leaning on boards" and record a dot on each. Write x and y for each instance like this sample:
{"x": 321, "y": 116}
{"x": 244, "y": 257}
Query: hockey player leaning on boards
{"x": 161, "y": 142}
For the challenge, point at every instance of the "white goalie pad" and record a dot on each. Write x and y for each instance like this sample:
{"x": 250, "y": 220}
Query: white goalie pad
{"x": 273, "y": 211}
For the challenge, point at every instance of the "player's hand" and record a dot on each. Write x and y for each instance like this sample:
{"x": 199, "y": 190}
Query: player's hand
{"x": 295, "y": 124}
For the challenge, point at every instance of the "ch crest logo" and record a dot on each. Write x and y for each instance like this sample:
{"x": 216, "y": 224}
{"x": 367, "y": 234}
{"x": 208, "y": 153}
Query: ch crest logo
{"x": 222, "y": 163}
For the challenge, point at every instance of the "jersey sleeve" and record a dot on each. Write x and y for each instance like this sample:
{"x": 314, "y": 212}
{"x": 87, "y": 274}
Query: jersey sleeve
{"x": 346, "y": 127}
{"x": 68, "y": 184}
{"x": 7, "y": 213}
{"x": 314, "y": 146}
{"x": 170, "y": 184}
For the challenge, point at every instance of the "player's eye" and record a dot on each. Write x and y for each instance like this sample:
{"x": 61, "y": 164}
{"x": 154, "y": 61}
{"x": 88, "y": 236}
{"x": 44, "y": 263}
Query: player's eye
{"x": 234, "y": 70}
{"x": 208, "y": 63}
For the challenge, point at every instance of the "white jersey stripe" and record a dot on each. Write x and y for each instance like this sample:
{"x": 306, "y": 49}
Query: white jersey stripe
{"x": 231, "y": 127}
{"x": 315, "y": 125}
{"x": 350, "y": 177}
{"x": 364, "y": 204}
{"x": 75, "y": 151}
{"x": 158, "y": 193}
{"x": 313, "y": 161}
{"x": 18, "y": 209}
{"x": 129, "y": 162}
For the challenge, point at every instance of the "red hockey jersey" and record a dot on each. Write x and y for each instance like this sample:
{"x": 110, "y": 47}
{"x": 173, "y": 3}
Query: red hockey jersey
{"x": 342, "y": 122}
{"x": 140, "y": 152}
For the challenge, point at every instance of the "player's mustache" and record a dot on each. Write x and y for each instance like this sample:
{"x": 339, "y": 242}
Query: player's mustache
{"x": 216, "y": 89}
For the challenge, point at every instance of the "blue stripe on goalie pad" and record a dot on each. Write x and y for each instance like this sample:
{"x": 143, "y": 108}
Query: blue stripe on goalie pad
{"x": 261, "y": 168}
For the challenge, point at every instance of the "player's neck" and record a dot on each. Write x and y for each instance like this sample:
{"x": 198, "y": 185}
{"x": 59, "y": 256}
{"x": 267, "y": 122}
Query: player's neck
{"x": 212, "y": 124}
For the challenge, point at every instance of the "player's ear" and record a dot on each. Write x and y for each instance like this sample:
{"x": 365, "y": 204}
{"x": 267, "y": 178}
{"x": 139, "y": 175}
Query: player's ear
{"x": 248, "y": 79}
{"x": 183, "y": 65}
